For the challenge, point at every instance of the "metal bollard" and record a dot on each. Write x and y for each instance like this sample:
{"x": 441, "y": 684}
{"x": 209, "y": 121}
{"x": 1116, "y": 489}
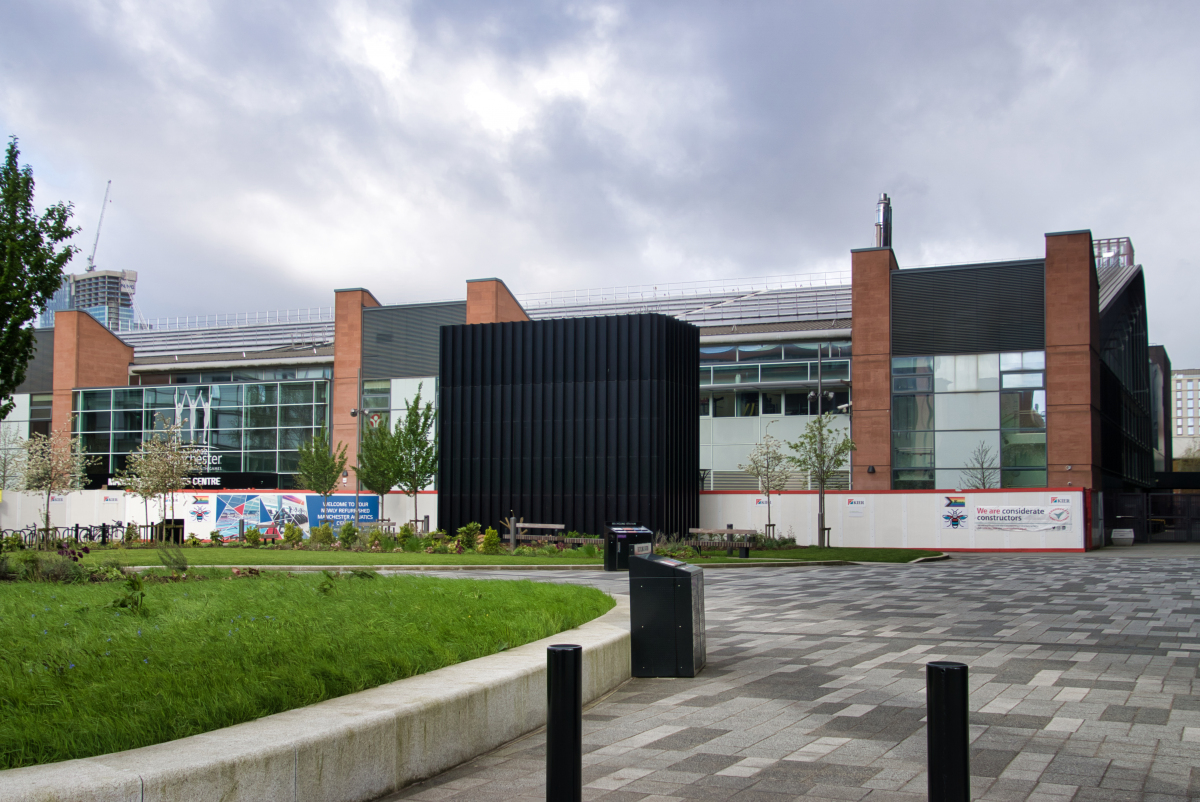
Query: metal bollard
{"x": 948, "y": 734}
{"x": 564, "y": 723}
{"x": 241, "y": 528}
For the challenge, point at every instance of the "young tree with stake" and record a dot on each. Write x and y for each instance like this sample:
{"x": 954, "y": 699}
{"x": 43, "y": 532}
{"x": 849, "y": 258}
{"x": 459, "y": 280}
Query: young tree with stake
{"x": 378, "y": 461}
{"x": 320, "y": 467}
{"x": 768, "y": 464}
{"x": 821, "y": 450}
{"x": 417, "y": 448}
{"x": 54, "y": 464}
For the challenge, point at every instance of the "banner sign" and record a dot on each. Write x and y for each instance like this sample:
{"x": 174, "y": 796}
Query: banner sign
{"x": 1050, "y": 518}
{"x": 340, "y": 508}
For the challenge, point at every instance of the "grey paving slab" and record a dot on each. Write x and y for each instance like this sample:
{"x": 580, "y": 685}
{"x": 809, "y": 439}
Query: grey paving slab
{"x": 1083, "y": 687}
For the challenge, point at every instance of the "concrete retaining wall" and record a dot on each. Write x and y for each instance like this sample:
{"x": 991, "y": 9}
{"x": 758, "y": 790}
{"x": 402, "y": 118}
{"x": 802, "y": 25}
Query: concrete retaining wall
{"x": 355, "y": 747}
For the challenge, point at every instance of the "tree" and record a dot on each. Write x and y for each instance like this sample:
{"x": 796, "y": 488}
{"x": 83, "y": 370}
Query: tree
{"x": 416, "y": 448}
{"x": 31, "y": 267}
{"x": 12, "y": 457}
{"x": 378, "y": 461}
{"x": 160, "y": 467}
{"x": 821, "y": 450}
{"x": 54, "y": 464}
{"x": 320, "y": 466}
{"x": 768, "y": 464}
{"x": 981, "y": 472}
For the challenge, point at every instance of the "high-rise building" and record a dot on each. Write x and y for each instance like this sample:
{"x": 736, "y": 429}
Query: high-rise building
{"x": 1185, "y": 384}
{"x": 106, "y": 295}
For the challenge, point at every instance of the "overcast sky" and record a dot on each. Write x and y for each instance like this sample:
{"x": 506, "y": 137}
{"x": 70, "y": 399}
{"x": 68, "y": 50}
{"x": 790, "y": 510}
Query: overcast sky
{"x": 263, "y": 154}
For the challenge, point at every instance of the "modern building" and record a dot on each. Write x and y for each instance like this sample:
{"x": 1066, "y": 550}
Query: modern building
{"x": 1182, "y": 394}
{"x": 107, "y": 295}
{"x": 1034, "y": 373}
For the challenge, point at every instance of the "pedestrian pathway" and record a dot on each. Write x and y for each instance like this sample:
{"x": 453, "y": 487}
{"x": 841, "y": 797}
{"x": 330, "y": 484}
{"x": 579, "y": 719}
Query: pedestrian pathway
{"x": 1083, "y": 687}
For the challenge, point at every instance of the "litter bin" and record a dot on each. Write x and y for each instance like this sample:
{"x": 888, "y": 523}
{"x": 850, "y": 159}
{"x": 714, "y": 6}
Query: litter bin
{"x": 623, "y": 538}
{"x": 666, "y": 613}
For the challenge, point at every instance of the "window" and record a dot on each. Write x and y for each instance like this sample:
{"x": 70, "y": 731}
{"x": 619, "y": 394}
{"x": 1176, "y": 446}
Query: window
{"x": 722, "y": 405}
{"x": 800, "y": 351}
{"x": 912, "y": 384}
{"x": 1022, "y": 380}
{"x": 718, "y": 353}
{"x": 759, "y": 353}
{"x": 835, "y": 370}
{"x": 912, "y": 413}
{"x": 904, "y": 365}
{"x": 747, "y": 405}
{"x": 739, "y": 375}
{"x": 705, "y": 403}
{"x": 794, "y": 372}
{"x": 772, "y": 403}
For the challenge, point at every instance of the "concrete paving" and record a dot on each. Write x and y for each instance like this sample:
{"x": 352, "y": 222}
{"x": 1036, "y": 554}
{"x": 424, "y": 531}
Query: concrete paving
{"x": 1083, "y": 678}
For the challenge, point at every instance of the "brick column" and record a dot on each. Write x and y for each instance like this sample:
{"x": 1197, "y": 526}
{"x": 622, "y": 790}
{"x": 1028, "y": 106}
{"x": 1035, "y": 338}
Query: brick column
{"x": 871, "y": 350}
{"x": 347, "y": 361}
{"x": 489, "y": 301}
{"x": 86, "y": 354}
{"x": 1072, "y": 361}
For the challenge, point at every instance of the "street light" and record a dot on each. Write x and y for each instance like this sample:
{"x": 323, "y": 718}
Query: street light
{"x": 354, "y": 413}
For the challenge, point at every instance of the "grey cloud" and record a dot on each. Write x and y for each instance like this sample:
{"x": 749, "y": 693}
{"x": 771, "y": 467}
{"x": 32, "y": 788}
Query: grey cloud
{"x": 263, "y": 153}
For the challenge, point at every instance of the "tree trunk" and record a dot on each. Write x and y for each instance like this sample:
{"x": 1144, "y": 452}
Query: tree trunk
{"x": 46, "y": 530}
{"x": 821, "y": 515}
{"x": 416, "y": 517}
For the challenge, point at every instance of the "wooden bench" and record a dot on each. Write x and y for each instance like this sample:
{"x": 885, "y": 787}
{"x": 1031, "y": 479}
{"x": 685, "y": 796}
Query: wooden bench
{"x": 516, "y": 527}
{"x": 743, "y": 546}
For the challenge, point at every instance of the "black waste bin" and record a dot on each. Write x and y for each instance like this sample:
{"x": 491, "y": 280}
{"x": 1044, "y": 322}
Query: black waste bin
{"x": 666, "y": 611}
{"x": 622, "y": 539}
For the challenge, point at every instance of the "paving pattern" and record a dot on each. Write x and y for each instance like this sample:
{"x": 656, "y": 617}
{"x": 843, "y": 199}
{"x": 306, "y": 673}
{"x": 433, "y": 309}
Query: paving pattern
{"x": 1083, "y": 687}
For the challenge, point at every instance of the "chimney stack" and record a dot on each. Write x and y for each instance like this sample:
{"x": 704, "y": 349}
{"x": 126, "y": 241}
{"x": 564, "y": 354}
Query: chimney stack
{"x": 883, "y": 222}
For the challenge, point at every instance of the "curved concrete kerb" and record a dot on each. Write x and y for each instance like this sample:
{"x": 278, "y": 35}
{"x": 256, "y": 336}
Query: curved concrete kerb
{"x": 352, "y": 748}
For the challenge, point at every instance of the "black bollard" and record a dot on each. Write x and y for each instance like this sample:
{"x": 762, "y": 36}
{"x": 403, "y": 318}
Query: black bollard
{"x": 948, "y": 734}
{"x": 564, "y": 723}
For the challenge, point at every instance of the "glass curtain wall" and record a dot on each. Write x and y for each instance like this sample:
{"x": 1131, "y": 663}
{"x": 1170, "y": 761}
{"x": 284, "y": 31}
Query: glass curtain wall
{"x": 766, "y": 373}
{"x": 973, "y": 420}
{"x": 253, "y": 427}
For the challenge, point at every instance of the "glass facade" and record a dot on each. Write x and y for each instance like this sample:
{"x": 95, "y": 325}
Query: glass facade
{"x": 251, "y": 427}
{"x": 746, "y": 381}
{"x": 959, "y": 420}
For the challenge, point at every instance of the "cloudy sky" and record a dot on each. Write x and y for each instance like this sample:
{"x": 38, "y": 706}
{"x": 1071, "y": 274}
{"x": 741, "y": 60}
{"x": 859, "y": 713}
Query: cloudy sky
{"x": 264, "y": 153}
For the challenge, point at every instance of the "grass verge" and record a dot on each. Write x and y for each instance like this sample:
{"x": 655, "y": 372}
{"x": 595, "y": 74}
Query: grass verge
{"x": 79, "y": 678}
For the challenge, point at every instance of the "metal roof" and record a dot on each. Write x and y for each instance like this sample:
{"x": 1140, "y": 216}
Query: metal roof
{"x": 789, "y": 299}
{"x": 232, "y": 339}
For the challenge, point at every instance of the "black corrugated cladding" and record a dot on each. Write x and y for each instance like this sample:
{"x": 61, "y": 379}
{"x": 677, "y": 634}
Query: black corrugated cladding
{"x": 969, "y": 309}
{"x": 401, "y": 341}
{"x": 39, "y": 373}
{"x": 574, "y": 421}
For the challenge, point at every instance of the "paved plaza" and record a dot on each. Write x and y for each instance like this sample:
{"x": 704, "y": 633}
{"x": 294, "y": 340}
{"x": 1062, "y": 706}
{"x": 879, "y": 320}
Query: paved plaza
{"x": 1083, "y": 687}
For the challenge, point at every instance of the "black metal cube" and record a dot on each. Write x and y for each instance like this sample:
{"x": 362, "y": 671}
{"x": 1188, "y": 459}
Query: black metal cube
{"x": 666, "y": 605}
{"x": 623, "y": 539}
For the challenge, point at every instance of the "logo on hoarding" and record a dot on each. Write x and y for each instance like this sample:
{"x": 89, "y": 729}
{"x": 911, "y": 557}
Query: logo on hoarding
{"x": 956, "y": 501}
{"x": 1059, "y": 514}
{"x": 111, "y": 499}
{"x": 1059, "y": 500}
{"x": 955, "y": 519}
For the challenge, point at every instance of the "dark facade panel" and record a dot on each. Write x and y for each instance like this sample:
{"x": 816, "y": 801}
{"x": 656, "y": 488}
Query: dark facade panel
{"x": 402, "y": 341}
{"x": 39, "y": 373}
{"x": 974, "y": 309}
{"x": 575, "y": 421}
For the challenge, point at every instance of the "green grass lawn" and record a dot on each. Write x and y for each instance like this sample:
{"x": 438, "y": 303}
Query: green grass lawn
{"x": 852, "y": 555}
{"x": 79, "y": 678}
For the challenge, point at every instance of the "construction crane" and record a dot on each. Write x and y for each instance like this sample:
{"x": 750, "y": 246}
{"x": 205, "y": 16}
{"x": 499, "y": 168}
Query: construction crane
{"x": 104, "y": 205}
